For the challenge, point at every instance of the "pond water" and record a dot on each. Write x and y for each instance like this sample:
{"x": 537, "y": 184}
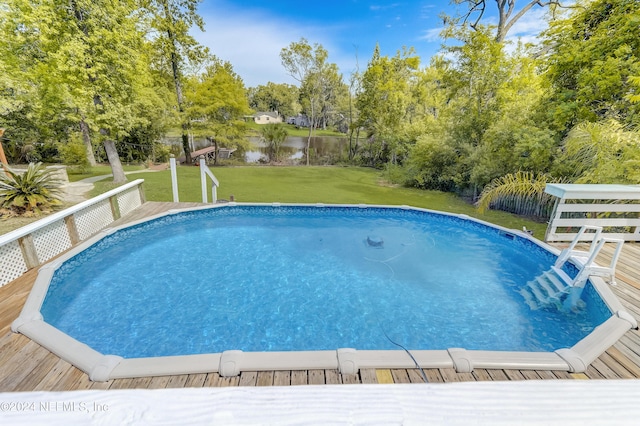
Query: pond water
{"x": 324, "y": 149}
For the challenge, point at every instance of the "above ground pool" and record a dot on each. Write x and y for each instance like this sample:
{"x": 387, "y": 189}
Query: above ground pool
{"x": 245, "y": 280}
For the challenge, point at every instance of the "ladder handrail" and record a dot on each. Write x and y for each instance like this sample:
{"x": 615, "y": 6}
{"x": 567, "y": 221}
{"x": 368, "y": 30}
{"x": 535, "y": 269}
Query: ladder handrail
{"x": 204, "y": 172}
{"x": 592, "y": 268}
{"x": 570, "y": 251}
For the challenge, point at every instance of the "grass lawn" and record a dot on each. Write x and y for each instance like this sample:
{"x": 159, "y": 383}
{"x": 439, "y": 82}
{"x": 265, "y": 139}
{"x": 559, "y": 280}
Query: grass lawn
{"x": 330, "y": 185}
{"x": 99, "y": 170}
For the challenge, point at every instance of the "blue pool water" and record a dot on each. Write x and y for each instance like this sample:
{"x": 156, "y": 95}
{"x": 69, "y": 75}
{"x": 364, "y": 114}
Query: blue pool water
{"x": 297, "y": 278}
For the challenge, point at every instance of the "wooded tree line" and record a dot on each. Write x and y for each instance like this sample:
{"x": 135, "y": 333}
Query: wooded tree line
{"x": 98, "y": 76}
{"x": 81, "y": 79}
{"x": 566, "y": 108}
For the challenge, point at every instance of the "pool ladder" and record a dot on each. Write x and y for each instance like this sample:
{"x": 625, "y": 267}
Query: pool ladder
{"x": 555, "y": 287}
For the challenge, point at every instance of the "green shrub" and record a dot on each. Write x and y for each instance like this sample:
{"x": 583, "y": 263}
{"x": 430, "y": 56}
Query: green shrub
{"x": 161, "y": 153}
{"x": 31, "y": 192}
{"x": 74, "y": 154}
{"x": 395, "y": 174}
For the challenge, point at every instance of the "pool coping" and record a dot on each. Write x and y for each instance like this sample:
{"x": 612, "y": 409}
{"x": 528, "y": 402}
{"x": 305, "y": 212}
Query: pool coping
{"x": 104, "y": 367}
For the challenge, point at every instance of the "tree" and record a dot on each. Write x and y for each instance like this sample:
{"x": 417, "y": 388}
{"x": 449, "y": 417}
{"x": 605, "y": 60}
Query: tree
{"x": 384, "y": 101}
{"x": 355, "y": 81}
{"x": 331, "y": 90}
{"x": 634, "y": 95}
{"x": 274, "y": 135}
{"x": 602, "y": 152}
{"x": 308, "y": 65}
{"x": 216, "y": 102}
{"x": 508, "y": 13}
{"x": 23, "y": 102}
{"x": 518, "y": 140}
{"x": 593, "y": 57}
{"x": 19, "y": 100}
{"x": 476, "y": 114}
{"x": 176, "y": 48}
{"x": 87, "y": 63}
{"x": 432, "y": 163}
{"x": 283, "y": 98}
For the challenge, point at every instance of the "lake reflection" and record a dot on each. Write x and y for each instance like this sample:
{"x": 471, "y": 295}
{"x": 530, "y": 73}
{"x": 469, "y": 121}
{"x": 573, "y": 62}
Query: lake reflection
{"x": 324, "y": 149}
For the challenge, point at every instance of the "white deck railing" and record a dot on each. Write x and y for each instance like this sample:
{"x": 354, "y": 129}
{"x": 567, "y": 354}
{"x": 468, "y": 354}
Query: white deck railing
{"x": 615, "y": 208}
{"x": 204, "y": 173}
{"x": 36, "y": 243}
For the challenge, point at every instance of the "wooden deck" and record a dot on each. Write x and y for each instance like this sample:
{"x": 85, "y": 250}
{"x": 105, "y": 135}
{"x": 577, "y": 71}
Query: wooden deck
{"x": 26, "y": 366}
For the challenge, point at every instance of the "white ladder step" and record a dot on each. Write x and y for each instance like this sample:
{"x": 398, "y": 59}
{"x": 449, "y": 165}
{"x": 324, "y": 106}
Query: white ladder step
{"x": 529, "y": 299}
{"x": 535, "y": 290}
{"x": 543, "y": 283}
{"x": 558, "y": 282}
{"x": 563, "y": 275}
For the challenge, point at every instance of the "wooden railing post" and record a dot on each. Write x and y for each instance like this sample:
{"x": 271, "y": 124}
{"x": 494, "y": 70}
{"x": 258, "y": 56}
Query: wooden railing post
{"x": 29, "y": 252}
{"x": 143, "y": 198}
{"x": 74, "y": 236}
{"x": 115, "y": 207}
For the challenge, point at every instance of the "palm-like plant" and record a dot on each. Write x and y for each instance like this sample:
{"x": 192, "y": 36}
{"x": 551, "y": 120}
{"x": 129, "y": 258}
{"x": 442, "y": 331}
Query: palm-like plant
{"x": 602, "y": 152}
{"x": 33, "y": 191}
{"x": 520, "y": 193}
{"x": 274, "y": 135}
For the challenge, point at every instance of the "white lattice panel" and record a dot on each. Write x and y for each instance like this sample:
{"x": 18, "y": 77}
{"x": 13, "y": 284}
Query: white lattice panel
{"x": 91, "y": 220}
{"x": 51, "y": 240}
{"x": 11, "y": 262}
{"x": 129, "y": 201}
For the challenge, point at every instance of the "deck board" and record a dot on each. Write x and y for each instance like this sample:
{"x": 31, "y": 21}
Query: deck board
{"x": 316, "y": 377}
{"x": 400, "y": 376}
{"x": 282, "y": 378}
{"x": 26, "y": 366}
{"x": 265, "y": 378}
{"x": 248, "y": 378}
{"x": 368, "y": 375}
{"x": 298, "y": 377}
{"x": 332, "y": 377}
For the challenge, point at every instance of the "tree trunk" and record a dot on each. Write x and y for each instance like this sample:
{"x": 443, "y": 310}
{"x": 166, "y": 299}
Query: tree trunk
{"x": 186, "y": 147}
{"x": 86, "y": 140}
{"x": 308, "y": 145}
{"x": 311, "y": 124}
{"x": 114, "y": 161}
{"x": 177, "y": 81}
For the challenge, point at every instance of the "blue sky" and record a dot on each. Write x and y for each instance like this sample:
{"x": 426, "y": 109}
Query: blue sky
{"x": 251, "y": 33}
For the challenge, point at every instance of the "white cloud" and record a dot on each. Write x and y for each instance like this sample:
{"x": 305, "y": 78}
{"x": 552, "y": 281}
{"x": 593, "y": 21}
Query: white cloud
{"x": 251, "y": 43}
{"x": 431, "y": 35}
{"x": 531, "y": 24}
{"x": 527, "y": 29}
{"x": 384, "y": 7}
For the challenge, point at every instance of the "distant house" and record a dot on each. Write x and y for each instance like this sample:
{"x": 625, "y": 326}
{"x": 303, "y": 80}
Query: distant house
{"x": 267, "y": 117}
{"x": 299, "y": 120}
